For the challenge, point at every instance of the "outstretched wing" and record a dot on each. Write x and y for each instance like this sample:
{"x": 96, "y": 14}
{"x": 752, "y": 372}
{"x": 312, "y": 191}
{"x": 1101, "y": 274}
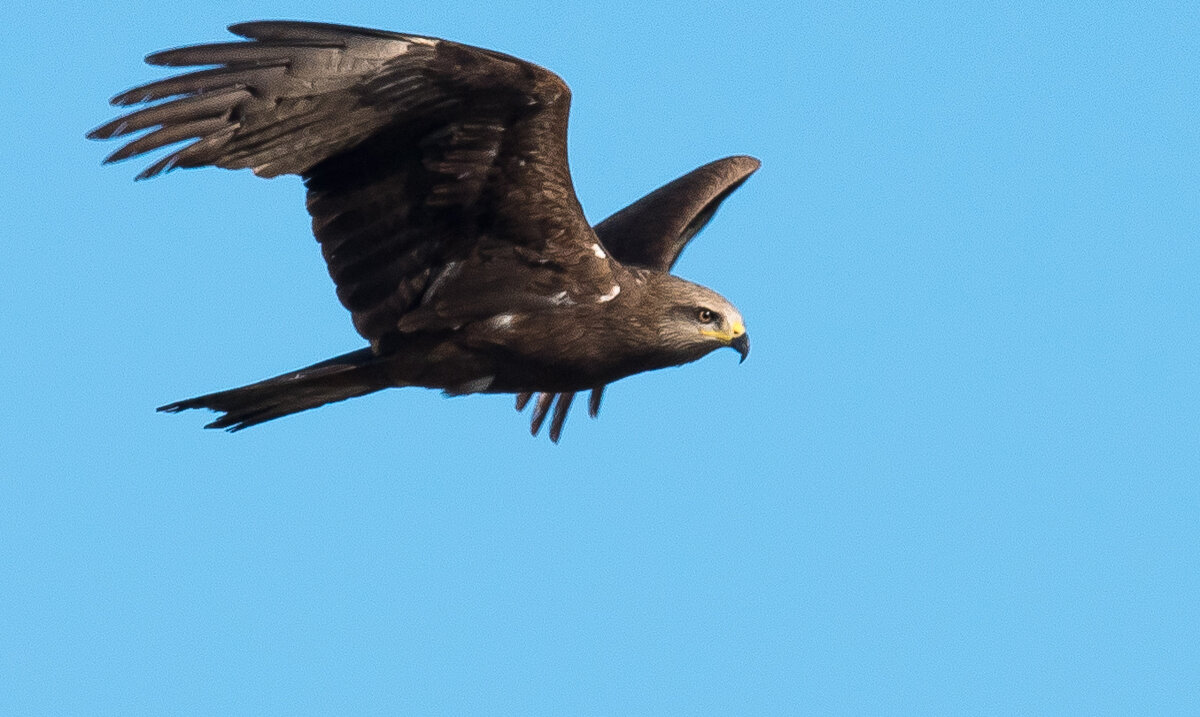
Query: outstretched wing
{"x": 652, "y": 233}
{"x": 415, "y": 151}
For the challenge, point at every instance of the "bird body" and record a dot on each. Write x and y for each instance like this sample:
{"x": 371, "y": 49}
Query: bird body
{"x": 439, "y": 190}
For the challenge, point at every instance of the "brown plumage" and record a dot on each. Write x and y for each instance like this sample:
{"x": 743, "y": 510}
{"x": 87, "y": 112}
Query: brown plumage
{"x": 438, "y": 185}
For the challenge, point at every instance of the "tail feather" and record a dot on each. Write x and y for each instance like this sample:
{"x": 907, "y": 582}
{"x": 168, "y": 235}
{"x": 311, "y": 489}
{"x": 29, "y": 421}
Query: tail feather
{"x": 354, "y": 374}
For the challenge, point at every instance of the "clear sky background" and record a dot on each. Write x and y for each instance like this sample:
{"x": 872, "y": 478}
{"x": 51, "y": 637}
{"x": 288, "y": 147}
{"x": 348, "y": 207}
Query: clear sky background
{"x": 959, "y": 474}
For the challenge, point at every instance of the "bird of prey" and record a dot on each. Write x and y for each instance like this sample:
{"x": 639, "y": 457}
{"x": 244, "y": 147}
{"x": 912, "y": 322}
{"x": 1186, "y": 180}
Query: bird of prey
{"x": 439, "y": 191}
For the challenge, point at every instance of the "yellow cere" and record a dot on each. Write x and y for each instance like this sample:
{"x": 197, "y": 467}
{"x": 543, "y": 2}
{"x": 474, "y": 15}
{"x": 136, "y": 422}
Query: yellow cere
{"x": 737, "y": 330}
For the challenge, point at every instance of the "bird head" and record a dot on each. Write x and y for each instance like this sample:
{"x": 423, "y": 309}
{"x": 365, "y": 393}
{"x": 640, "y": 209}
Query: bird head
{"x": 695, "y": 320}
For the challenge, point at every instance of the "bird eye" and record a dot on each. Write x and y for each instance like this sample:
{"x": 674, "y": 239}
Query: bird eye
{"x": 706, "y": 316}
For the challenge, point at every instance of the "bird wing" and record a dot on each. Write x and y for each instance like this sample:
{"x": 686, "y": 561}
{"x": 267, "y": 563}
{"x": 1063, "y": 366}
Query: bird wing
{"x": 652, "y": 233}
{"x": 418, "y": 153}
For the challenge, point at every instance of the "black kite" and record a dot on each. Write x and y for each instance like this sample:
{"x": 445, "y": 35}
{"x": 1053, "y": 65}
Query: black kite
{"x": 439, "y": 190}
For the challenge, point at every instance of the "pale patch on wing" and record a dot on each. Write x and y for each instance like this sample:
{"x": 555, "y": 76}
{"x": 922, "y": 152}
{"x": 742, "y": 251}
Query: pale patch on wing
{"x": 561, "y": 299}
{"x": 477, "y": 385}
{"x": 612, "y": 294}
{"x": 502, "y": 322}
{"x": 598, "y": 251}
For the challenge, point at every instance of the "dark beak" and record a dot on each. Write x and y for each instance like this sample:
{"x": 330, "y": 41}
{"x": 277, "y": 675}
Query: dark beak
{"x": 742, "y": 345}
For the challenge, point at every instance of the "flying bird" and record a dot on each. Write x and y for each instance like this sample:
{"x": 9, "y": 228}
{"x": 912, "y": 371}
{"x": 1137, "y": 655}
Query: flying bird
{"x": 437, "y": 181}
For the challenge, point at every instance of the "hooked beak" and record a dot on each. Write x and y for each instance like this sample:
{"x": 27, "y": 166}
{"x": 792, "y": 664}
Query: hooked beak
{"x": 741, "y": 344}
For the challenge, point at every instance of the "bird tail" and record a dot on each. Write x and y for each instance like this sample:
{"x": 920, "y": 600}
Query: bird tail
{"x": 354, "y": 374}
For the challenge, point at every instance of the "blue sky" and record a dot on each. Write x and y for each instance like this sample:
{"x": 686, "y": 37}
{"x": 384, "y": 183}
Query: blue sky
{"x": 959, "y": 474}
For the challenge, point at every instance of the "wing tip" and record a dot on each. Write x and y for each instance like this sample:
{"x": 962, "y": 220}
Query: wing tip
{"x": 250, "y": 29}
{"x": 136, "y": 96}
{"x": 104, "y": 131}
{"x": 739, "y": 165}
{"x": 230, "y": 421}
{"x": 301, "y": 30}
{"x": 167, "y": 58}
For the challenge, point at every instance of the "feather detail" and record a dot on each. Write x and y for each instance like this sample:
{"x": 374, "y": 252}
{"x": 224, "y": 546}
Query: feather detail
{"x": 560, "y": 415}
{"x": 539, "y": 412}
